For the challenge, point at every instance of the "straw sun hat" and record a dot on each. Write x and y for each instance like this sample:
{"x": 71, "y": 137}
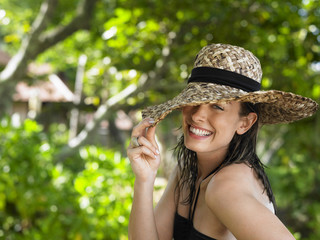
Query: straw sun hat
{"x": 224, "y": 73}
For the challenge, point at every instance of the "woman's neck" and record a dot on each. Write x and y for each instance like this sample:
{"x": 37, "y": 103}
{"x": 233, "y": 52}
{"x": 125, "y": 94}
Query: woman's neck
{"x": 207, "y": 162}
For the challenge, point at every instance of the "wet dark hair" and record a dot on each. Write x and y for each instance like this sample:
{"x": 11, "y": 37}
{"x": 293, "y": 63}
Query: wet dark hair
{"x": 242, "y": 149}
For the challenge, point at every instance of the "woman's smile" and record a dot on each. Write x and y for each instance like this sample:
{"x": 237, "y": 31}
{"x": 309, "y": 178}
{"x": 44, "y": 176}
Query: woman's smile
{"x": 198, "y": 132}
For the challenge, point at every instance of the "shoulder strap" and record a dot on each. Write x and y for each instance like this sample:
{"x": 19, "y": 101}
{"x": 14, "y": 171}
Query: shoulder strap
{"x": 192, "y": 208}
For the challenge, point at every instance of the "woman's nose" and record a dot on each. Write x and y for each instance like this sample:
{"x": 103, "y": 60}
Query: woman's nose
{"x": 199, "y": 113}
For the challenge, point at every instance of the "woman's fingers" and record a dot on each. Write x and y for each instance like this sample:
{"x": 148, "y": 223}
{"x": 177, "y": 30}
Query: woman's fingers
{"x": 143, "y": 146}
{"x": 145, "y": 142}
{"x": 151, "y": 136}
{"x": 144, "y": 134}
{"x": 140, "y": 129}
{"x": 143, "y": 152}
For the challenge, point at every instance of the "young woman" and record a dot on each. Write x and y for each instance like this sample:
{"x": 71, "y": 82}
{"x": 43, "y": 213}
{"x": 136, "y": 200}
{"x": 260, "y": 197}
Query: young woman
{"x": 219, "y": 189}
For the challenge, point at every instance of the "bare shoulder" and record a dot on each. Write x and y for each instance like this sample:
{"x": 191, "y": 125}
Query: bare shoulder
{"x": 236, "y": 170}
{"x": 233, "y": 195}
{"x": 231, "y": 182}
{"x": 235, "y": 176}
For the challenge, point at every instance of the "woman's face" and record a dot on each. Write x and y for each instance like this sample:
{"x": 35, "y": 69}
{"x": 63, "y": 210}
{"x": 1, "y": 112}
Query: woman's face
{"x": 209, "y": 128}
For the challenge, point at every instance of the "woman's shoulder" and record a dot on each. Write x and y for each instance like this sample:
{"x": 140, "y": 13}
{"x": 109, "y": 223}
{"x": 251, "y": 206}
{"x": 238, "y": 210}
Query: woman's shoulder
{"x": 234, "y": 179}
{"x": 236, "y": 172}
{"x": 234, "y": 196}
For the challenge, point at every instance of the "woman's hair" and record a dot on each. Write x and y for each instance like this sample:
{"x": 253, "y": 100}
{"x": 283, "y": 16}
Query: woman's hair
{"x": 242, "y": 149}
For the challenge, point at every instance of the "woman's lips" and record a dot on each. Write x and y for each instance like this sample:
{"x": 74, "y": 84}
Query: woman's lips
{"x": 198, "y": 132}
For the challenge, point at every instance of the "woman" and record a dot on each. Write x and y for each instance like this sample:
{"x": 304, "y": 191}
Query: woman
{"x": 219, "y": 189}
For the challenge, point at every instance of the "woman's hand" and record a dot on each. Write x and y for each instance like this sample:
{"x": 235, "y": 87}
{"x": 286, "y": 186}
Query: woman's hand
{"x": 143, "y": 151}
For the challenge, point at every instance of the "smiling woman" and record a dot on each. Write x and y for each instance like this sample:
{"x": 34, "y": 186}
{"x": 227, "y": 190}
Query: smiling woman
{"x": 219, "y": 189}
{"x": 209, "y": 128}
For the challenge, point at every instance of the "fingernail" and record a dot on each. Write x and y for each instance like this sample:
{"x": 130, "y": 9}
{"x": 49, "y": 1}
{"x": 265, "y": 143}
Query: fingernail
{"x": 157, "y": 151}
{"x": 151, "y": 120}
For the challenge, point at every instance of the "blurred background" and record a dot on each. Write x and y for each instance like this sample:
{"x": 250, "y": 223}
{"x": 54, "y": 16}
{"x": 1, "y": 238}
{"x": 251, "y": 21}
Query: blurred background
{"x": 74, "y": 76}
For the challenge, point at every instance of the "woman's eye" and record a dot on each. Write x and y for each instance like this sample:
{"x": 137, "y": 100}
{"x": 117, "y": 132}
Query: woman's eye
{"x": 215, "y": 106}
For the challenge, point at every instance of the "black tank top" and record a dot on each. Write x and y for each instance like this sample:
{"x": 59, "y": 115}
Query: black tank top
{"x": 183, "y": 228}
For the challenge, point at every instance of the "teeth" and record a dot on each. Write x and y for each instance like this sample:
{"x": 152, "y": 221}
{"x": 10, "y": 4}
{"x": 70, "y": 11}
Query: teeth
{"x": 199, "y": 132}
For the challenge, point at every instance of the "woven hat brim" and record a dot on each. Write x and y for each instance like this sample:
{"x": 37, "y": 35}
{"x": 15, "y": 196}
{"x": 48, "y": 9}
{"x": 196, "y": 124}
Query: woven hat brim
{"x": 275, "y": 106}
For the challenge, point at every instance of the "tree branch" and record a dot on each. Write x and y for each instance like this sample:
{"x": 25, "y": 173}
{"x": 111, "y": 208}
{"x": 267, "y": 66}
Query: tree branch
{"x": 37, "y": 42}
{"x": 113, "y": 104}
{"x": 80, "y": 21}
{"x": 16, "y": 67}
{"x": 146, "y": 82}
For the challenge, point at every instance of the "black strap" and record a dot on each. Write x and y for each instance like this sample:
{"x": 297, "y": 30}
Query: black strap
{"x": 223, "y": 77}
{"x": 193, "y": 209}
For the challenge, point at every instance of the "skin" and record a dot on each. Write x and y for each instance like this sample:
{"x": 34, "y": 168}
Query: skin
{"x": 228, "y": 202}
{"x": 222, "y": 121}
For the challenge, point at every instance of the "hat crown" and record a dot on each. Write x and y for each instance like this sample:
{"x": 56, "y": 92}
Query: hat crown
{"x": 231, "y": 58}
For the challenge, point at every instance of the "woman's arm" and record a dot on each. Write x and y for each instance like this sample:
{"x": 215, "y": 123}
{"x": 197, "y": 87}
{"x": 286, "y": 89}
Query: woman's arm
{"x": 144, "y": 222}
{"x": 145, "y": 161}
{"x": 231, "y": 197}
{"x": 166, "y": 208}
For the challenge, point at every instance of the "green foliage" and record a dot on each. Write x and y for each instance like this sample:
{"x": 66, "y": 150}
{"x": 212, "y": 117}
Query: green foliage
{"x": 295, "y": 179}
{"x": 105, "y": 186}
{"x": 40, "y": 199}
{"x": 133, "y": 38}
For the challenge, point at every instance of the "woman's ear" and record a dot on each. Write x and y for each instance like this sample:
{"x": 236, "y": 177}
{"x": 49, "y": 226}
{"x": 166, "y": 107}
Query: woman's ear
{"x": 246, "y": 123}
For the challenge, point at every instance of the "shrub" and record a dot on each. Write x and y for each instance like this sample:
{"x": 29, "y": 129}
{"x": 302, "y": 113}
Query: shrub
{"x": 40, "y": 199}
